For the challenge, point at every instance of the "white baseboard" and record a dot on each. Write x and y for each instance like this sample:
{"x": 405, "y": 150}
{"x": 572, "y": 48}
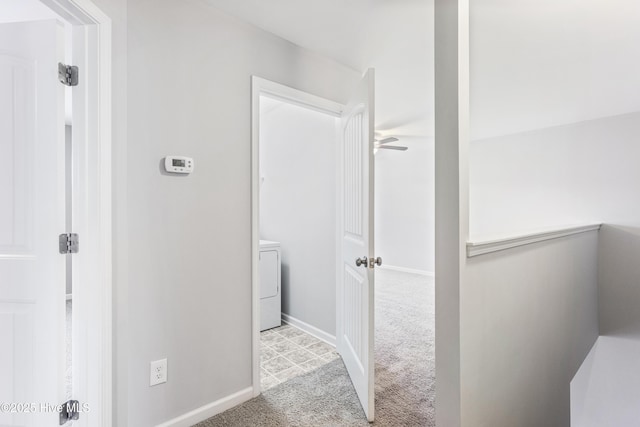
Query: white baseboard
{"x": 408, "y": 270}
{"x": 209, "y": 410}
{"x": 311, "y": 330}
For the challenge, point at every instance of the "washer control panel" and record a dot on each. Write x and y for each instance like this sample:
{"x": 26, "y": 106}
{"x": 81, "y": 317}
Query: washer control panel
{"x": 178, "y": 164}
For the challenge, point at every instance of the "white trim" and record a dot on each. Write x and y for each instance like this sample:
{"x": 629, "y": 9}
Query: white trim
{"x": 260, "y": 86}
{"x": 339, "y": 226}
{"x": 297, "y": 97}
{"x": 93, "y": 292}
{"x": 69, "y": 297}
{"x": 476, "y": 248}
{"x": 209, "y": 410}
{"x": 255, "y": 235}
{"x": 407, "y": 270}
{"x": 311, "y": 330}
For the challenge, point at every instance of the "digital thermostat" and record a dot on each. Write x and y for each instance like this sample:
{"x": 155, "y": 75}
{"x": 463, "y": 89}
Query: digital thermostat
{"x": 178, "y": 164}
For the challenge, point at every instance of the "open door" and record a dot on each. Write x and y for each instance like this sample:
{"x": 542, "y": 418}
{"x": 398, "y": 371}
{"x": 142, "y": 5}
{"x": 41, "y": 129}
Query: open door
{"x": 355, "y": 297}
{"x": 32, "y": 216}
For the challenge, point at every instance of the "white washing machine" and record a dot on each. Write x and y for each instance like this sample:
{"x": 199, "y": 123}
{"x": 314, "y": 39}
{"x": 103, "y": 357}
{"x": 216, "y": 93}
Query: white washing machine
{"x": 270, "y": 289}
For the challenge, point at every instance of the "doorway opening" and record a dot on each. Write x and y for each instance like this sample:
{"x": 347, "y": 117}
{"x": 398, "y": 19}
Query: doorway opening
{"x": 298, "y": 164}
{"x": 344, "y": 184}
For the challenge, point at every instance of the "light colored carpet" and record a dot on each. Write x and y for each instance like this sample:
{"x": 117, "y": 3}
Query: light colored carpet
{"x": 405, "y": 371}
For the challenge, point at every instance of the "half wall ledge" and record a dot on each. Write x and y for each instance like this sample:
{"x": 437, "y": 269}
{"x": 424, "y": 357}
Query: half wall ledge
{"x": 476, "y": 247}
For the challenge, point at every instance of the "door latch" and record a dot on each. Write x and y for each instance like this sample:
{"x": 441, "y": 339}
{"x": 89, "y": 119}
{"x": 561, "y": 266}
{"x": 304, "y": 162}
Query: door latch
{"x": 375, "y": 261}
{"x": 362, "y": 261}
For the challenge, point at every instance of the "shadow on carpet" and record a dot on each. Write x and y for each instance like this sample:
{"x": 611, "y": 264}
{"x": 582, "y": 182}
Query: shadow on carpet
{"x": 324, "y": 397}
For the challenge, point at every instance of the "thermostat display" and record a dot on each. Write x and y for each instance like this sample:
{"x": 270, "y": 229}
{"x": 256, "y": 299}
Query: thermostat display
{"x": 178, "y": 164}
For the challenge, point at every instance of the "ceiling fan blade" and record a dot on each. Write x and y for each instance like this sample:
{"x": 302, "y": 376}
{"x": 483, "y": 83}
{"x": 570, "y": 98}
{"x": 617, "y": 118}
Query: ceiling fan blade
{"x": 388, "y": 140}
{"x": 391, "y": 147}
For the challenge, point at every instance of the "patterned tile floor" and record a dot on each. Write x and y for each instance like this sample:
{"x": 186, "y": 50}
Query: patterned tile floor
{"x": 287, "y": 352}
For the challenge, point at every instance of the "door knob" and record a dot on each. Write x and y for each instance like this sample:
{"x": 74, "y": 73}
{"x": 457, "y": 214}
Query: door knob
{"x": 362, "y": 261}
{"x": 375, "y": 261}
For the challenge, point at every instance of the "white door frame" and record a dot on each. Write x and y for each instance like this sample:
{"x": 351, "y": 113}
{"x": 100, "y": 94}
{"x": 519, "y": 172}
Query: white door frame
{"x": 263, "y": 87}
{"x": 92, "y": 273}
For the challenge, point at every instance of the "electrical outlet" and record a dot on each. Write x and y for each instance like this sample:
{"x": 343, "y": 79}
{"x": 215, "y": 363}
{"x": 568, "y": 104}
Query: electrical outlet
{"x": 157, "y": 372}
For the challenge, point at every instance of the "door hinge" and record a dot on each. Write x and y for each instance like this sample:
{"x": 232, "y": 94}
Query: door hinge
{"x": 69, "y": 410}
{"x": 68, "y": 243}
{"x": 68, "y": 74}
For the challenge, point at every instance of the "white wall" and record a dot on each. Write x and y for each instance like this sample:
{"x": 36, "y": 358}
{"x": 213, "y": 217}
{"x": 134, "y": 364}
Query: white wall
{"x": 451, "y": 199}
{"x": 605, "y": 389}
{"x": 512, "y": 326}
{"x": 298, "y": 165}
{"x": 582, "y": 172}
{"x": 404, "y": 205}
{"x": 619, "y": 280}
{"x": 554, "y": 126}
{"x": 182, "y": 245}
{"x": 529, "y": 317}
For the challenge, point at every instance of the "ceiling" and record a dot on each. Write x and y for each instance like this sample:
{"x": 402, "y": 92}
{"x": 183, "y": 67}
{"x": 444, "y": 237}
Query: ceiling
{"x": 543, "y": 63}
{"x": 393, "y": 36}
{"x": 533, "y": 64}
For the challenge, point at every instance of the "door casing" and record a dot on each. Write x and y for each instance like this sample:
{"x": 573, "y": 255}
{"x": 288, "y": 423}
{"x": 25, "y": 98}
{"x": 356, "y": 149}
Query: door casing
{"x": 260, "y": 87}
{"x": 91, "y": 211}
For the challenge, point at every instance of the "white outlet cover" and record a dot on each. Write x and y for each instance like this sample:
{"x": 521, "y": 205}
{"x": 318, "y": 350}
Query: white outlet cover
{"x": 157, "y": 372}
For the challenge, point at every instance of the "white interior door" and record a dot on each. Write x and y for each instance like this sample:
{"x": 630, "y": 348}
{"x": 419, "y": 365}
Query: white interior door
{"x": 355, "y": 299}
{"x": 32, "y": 215}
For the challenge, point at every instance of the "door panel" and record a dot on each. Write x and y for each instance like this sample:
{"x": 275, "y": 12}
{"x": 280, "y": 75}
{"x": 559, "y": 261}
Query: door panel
{"x": 355, "y": 329}
{"x": 16, "y": 132}
{"x": 354, "y": 287}
{"x": 353, "y": 160}
{"x": 32, "y": 212}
